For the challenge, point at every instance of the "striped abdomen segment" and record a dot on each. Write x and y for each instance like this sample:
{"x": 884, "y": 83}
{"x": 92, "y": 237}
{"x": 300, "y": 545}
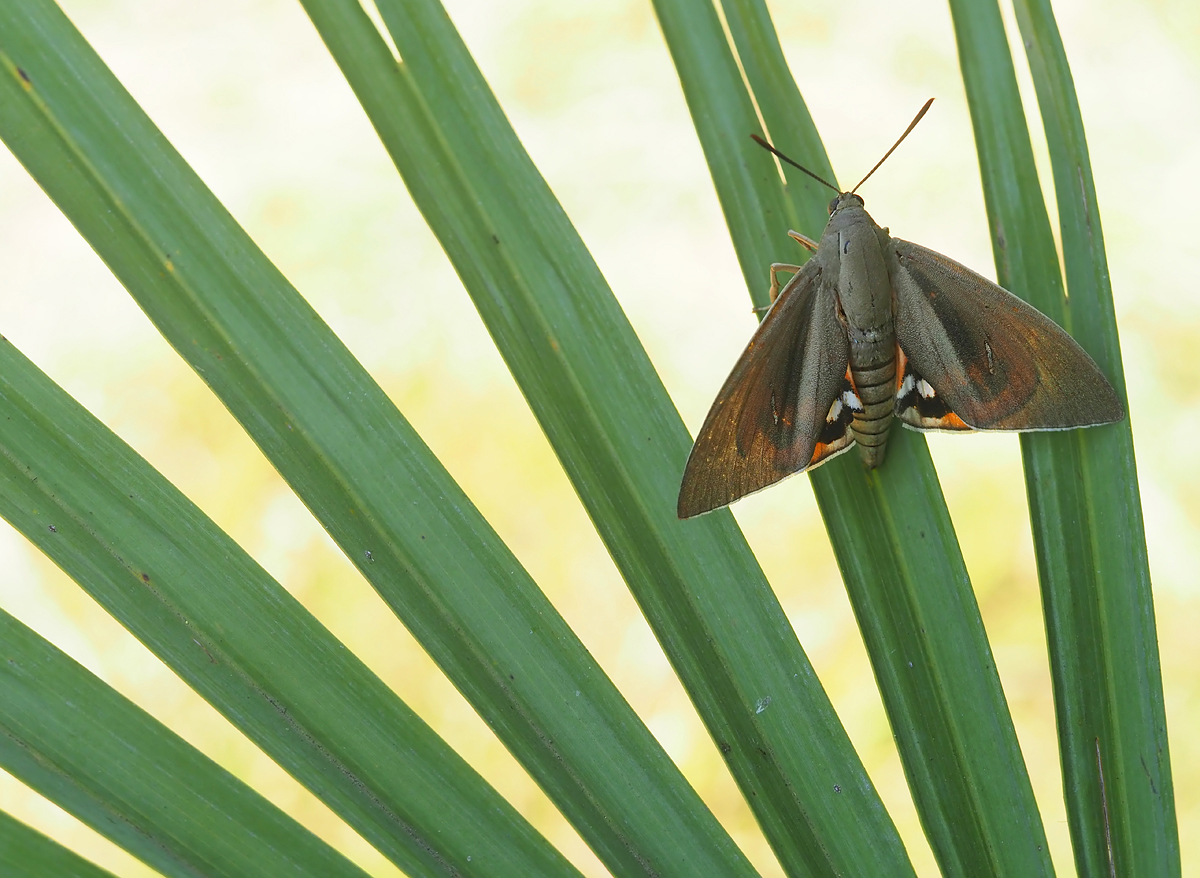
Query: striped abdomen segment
{"x": 875, "y": 384}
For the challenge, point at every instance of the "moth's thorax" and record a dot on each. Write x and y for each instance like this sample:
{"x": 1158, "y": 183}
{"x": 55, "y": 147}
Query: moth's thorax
{"x": 855, "y": 247}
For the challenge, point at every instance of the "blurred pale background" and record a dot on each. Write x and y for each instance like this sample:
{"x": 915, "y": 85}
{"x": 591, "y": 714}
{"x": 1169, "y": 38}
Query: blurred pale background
{"x": 248, "y": 94}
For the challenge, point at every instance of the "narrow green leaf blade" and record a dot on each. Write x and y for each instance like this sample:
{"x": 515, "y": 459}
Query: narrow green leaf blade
{"x": 98, "y": 756}
{"x": 789, "y": 124}
{"x": 895, "y": 546}
{"x": 744, "y": 175}
{"x": 26, "y": 853}
{"x": 1099, "y": 621}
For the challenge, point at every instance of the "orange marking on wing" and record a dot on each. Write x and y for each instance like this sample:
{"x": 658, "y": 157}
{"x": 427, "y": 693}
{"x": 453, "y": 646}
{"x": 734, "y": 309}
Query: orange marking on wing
{"x": 950, "y": 421}
{"x": 827, "y": 449}
{"x": 850, "y": 378}
{"x": 818, "y": 454}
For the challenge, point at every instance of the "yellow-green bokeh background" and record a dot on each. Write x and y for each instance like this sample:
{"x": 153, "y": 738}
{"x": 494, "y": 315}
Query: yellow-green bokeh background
{"x": 249, "y": 96}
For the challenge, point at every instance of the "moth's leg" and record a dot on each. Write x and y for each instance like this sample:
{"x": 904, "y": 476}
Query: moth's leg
{"x": 777, "y": 267}
{"x": 782, "y": 266}
{"x": 803, "y": 240}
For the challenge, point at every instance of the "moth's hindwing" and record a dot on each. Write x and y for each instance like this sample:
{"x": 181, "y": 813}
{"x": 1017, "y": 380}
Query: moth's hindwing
{"x": 918, "y": 404}
{"x": 770, "y": 418}
{"x": 990, "y": 359}
{"x": 835, "y": 436}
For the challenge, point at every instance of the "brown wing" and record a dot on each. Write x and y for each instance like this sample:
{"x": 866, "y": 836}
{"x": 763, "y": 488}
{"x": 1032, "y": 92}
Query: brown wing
{"x": 772, "y": 411}
{"x": 990, "y": 358}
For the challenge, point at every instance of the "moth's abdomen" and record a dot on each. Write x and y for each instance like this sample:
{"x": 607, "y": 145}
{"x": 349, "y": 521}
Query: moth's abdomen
{"x": 875, "y": 384}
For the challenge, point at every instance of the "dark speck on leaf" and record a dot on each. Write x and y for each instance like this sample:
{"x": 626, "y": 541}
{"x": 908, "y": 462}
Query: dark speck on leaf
{"x": 145, "y": 577}
{"x": 836, "y": 788}
{"x": 53, "y": 529}
{"x": 725, "y": 747}
{"x": 23, "y": 74}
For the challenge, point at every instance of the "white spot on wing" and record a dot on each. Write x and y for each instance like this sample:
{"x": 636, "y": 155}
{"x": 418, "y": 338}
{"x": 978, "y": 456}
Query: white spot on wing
{"x": 926, "y": 389}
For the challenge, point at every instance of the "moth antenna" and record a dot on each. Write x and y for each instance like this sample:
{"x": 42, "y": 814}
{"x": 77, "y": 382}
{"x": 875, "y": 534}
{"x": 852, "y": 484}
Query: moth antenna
{"x": 784, "y": 158}
{"x": 911, "y": 126}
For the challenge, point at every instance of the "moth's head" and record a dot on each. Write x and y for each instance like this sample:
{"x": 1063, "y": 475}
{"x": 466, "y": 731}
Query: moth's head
{"x": 845, "y": 199}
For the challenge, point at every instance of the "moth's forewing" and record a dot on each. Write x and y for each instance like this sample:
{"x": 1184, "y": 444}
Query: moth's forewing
{"x": 770, "y": 415}
{"x": 994, "y": 361}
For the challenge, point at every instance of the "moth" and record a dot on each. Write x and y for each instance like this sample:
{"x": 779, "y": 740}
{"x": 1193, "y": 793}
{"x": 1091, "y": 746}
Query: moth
{"x": 870, "y": 329}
